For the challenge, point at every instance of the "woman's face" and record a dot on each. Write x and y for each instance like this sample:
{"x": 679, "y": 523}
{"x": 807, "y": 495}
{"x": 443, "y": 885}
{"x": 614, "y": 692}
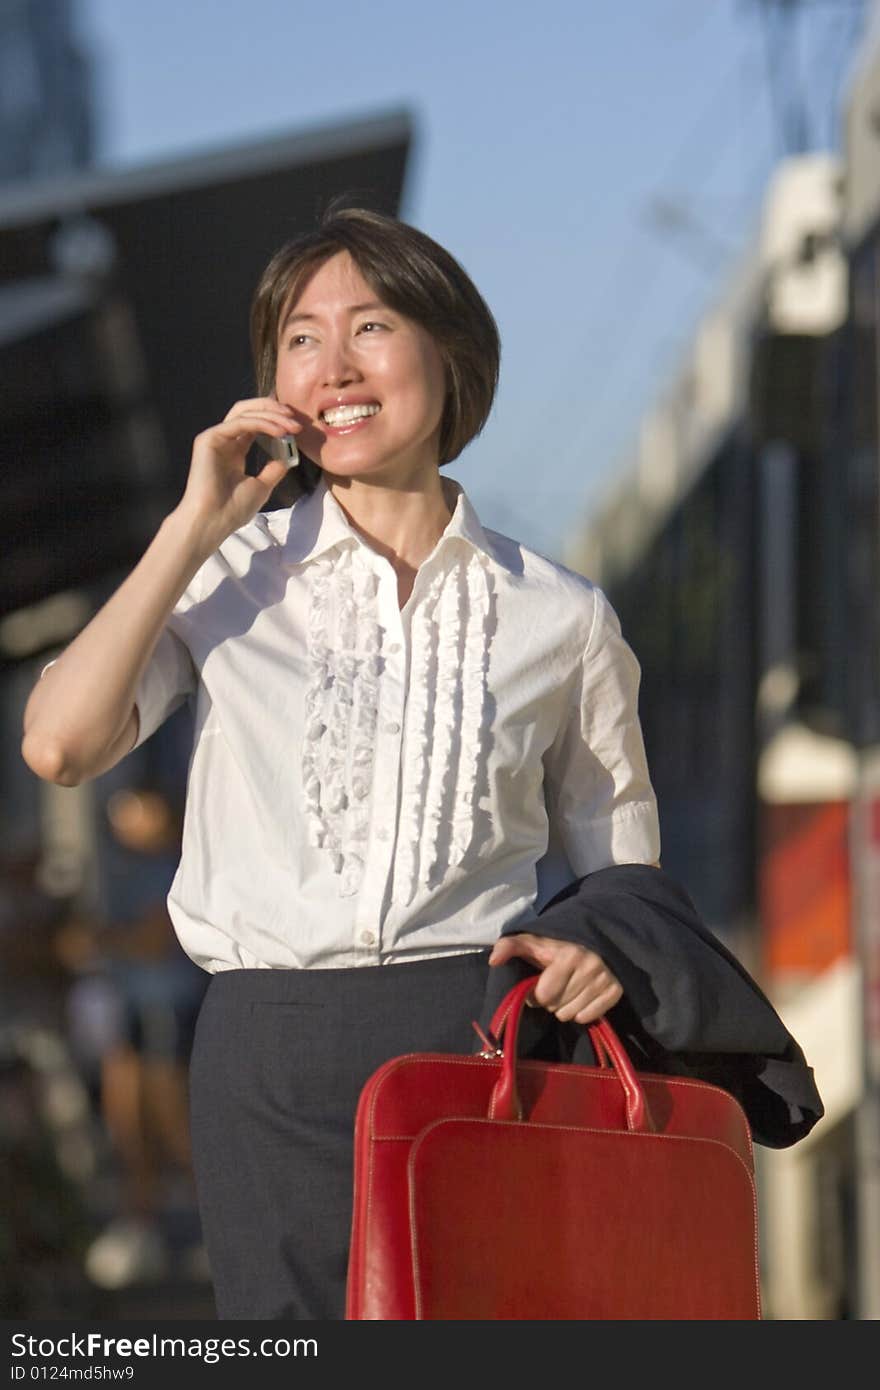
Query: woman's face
{"x": 367, "y": 384}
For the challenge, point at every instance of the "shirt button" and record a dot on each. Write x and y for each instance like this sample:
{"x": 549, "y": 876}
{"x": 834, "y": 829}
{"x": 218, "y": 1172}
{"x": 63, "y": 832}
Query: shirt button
{"x": 382, "y": 834}
{"x": 394, "y": 648}
{"x": 392, "y": 727}
{"x": 367, "y": 938}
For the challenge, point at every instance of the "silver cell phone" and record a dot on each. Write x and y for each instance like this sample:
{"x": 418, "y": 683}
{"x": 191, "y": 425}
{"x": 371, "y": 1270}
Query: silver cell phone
{"x": 283, "y": 449}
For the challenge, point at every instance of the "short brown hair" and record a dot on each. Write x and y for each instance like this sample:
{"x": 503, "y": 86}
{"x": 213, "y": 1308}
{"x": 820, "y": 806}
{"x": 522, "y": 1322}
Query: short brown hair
{"x": 412, "y": 275}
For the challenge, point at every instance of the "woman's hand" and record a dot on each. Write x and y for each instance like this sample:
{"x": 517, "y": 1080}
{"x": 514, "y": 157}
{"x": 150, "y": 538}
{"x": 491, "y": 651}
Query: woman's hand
{"x": 574, "y": 983}
{"x": 220, "y": 496}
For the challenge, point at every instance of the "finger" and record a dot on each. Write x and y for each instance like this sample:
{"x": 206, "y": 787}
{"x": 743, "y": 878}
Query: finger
{"x": 524, "y": 945}
{"x": 584, "y": 987}
{"x": 241, "y": 426}
{"x": 288, "y": 423}
{"x": 272, "y": 473}
{"x": 249, "y": 426}
{"x": 252, "y": 490}
{"x": 584, "y": 983}
{"x": 599, "y": 1006}
{"x": 570, "y": 969}
{"x": 573, "y": 984}
{"x": 591, "y": 1004}
{"x": 551, "y": 989}
{"x": 262, "y": 404}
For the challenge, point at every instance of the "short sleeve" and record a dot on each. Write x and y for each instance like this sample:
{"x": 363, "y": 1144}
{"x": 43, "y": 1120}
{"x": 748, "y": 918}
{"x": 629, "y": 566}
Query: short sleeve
{"x": 598, "y": 790}
{"x": 168, "y": 678}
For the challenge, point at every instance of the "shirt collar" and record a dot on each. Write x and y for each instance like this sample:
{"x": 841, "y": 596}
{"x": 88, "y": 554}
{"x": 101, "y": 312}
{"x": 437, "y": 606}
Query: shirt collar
{"x": 313, "y": 526}
{"x": 317, "y": 524}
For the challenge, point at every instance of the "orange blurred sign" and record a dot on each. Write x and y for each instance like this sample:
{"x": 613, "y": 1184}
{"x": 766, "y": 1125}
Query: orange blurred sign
{"x": 804, "y": 887}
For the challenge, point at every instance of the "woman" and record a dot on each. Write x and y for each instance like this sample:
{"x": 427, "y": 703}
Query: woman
{"x": 396, "y": 711}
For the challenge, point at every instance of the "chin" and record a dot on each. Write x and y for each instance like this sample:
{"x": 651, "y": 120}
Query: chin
{"x": 374, "y": 465}
{"x": 346, "y": 468}
{"x": 354, "y": 465}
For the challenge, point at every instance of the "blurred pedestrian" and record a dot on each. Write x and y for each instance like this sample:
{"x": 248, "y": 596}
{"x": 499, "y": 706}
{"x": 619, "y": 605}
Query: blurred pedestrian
{"x": 133, "y": 1011}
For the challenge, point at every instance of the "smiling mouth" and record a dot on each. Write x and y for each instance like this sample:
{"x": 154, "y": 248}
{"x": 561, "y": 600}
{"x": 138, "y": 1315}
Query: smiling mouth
{"x": 339, "y": 415}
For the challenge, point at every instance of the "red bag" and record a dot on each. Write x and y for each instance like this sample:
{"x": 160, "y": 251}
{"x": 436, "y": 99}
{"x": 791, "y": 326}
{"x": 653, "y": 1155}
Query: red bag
{"x": 487, "y": 1188}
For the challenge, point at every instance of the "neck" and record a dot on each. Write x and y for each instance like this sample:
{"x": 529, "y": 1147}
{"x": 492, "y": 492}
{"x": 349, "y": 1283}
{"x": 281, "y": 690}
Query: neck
{"x": 404, "y": 522}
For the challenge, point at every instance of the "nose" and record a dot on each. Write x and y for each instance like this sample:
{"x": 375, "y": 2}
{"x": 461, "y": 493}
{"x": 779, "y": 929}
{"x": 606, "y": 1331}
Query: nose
{"x": 337, "y": 367}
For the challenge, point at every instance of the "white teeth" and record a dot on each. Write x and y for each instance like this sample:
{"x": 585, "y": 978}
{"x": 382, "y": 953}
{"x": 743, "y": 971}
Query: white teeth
{"x": 345, "y": 414}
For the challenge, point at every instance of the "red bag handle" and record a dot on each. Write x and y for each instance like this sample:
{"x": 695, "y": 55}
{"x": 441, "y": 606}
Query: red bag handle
{"x": 505, "y": 1103}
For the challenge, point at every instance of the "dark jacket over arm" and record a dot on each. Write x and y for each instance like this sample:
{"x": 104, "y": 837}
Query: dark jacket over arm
{"x": 689, "y": 1007}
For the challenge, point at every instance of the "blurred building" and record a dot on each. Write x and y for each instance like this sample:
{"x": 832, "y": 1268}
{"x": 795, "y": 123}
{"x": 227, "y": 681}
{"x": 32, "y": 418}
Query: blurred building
{"x": 124, "y": 304}
{"x": 46, "y": 131}
{"x": 740, "y": 544}
{"x": 123, "y": 332}
{"x": 861, "y": 657}
{"x": 46, "y": 90}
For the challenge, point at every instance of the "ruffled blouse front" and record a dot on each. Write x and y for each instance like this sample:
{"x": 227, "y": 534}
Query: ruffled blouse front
{"x": 446, "y": 718}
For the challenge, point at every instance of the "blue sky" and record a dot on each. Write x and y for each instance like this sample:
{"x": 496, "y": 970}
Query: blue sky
{"x": 545, "y": 135}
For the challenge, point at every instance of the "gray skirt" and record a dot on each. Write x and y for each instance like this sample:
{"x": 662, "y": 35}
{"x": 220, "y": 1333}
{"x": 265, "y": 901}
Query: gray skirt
{"x": 277, "y": 1066}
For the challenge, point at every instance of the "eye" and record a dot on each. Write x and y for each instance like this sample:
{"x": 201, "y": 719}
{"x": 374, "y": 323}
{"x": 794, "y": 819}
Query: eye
{"x": 298, "y": 339}
{"x": 370, "y": 325}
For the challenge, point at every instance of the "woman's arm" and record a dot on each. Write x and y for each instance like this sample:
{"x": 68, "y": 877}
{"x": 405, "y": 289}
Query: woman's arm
{"x": 81, "y": 718}
{"x": 599, "y": 795}
{"x": 596, "y": 782}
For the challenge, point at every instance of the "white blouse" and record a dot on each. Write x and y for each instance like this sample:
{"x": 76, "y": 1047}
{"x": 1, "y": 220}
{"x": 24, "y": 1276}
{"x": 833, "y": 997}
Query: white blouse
{"x": 371, "y": 785}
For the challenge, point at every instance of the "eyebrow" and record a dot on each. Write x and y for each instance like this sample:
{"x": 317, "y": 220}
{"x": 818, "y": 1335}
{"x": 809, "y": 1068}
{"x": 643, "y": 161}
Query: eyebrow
{"x": 294, "y": 317}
